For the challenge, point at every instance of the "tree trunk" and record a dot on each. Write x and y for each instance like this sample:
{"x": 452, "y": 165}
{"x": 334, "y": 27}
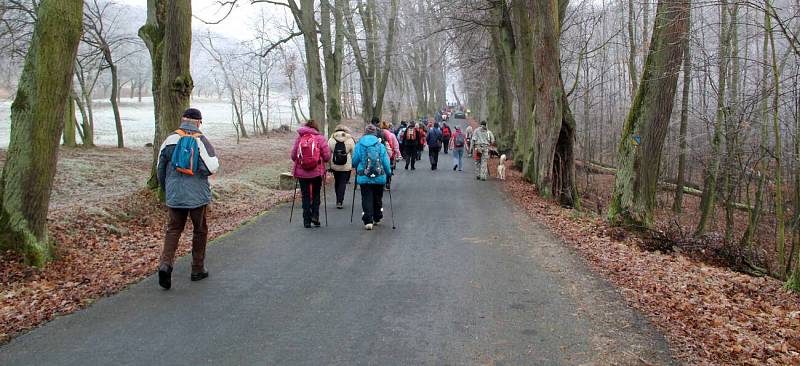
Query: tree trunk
{"x": 333, "y": 52}
{"x": 707, "y": 202}
{"x": 152, "y": 33}
{"x": 677, "y": 204}
{"x": 383, "y": 81}
{"x": 69, "y": 123}
{"x": 37, "y": 119}
{"x": 114, "y": 99}
{"x": 780, "y": 242}
{"x": 639, "y": 154}
{"x": 84, "y": 117}
{"x": 632, "y": 48}
{"x": 308, "y": 25}
{"x": 553, "y": 162}
{"x": 175, "y": 87}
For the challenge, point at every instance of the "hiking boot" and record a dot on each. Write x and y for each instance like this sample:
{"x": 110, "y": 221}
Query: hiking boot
{"x": 455, "y": 167}
{"x": 307, "y": 226}
{"x": 339, "y": 205}
{"x": 368, "y": 226}
{"x": 197, "y": 276}
{"x": 377, "y": 222}
{"x": 315, "y": 221}
{"x": 165, "y": 276}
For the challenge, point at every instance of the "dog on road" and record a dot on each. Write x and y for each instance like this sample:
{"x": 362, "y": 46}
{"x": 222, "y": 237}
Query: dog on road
{"x": 501, "y": 168}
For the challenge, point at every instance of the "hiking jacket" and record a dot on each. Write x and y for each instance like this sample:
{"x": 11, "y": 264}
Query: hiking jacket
{"x": 434, "y": 138}
{"x": 360, "y": 160}
{"x": 482, "y": 136}
{"x": 349, "y": 146}
{"x": 393, "y": 144}
{"x": 453, "y": 141}
{"x": 325, "y": 154}
{"x": 185, "y": 191}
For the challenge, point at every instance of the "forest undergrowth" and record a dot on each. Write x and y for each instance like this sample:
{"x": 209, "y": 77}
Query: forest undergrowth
{"x": 710, "y": 314}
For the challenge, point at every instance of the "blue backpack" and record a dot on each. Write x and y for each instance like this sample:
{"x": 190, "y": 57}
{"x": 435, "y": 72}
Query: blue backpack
{"x": 186, "y": 156}
{"x": 373, "y": 167}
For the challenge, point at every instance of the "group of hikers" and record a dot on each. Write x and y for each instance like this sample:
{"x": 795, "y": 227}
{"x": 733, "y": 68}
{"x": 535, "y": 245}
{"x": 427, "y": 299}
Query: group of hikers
{"x": 187, "y": 159}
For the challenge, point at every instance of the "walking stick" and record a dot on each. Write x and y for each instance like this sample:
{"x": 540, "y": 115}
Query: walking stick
{"x": 353, "y": 206}
{"x": 391, "y": 207}
{"x": 294, "y": 198}
{"x": 325, "y": 196}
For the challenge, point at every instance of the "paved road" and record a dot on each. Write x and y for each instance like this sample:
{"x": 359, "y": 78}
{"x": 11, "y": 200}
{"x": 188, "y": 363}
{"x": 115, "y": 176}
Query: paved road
{"x": 464, "y": 280}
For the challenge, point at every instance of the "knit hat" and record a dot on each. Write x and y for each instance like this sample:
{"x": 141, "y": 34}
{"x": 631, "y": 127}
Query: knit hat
{"x": 371, "y": 129}
{"x": 483, "y": 123}
{"x": 193, "y": 113}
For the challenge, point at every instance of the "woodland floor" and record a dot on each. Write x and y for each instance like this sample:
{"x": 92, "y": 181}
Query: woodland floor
{"x": 109, "y": 229}
{"x": 710, "y": 314}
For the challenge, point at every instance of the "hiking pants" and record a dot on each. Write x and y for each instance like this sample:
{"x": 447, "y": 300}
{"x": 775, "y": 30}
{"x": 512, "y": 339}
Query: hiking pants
{"x": 310, "y": 187}
{"x": 446, "y": 145}
{"x": 482, "y": 164}
{"x": 433, "y": 154}
{"x": 340, "y": 180}
{"x": 411, "y": 156}
{"x": 371, "y": 203}
{"x": 458, "y": 157}
{"x": 177, "y": 221}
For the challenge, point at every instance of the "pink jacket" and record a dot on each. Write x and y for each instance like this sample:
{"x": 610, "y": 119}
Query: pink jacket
{"x": 325, "y": 154}
{"x": 393, "y": 143}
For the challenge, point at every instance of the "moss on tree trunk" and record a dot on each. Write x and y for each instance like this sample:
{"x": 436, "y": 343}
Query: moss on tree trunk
{"x": 37, "y": 119}
{"x": 639, "y": 154}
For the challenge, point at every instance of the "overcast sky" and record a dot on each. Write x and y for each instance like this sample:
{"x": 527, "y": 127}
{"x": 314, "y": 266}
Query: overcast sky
{"x": 237, "y": 25}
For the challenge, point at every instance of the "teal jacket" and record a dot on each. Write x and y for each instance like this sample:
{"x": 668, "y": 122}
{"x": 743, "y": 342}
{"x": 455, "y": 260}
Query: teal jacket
{"x": 360, "y": 160}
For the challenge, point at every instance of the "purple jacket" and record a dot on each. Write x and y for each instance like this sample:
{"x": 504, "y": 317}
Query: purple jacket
{"x": 325, "y": 154}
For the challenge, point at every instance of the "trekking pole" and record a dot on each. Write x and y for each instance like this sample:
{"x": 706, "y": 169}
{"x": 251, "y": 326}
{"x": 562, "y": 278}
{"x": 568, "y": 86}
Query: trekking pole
{"x": 325, "y": 196}
{"x": 294, "y": 198}
{"x": 353, "y": 206}
{"x": 391, "y": 208}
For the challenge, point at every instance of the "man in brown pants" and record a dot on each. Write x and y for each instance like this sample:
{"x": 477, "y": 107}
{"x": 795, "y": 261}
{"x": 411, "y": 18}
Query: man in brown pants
{"x": 185, "y": 162}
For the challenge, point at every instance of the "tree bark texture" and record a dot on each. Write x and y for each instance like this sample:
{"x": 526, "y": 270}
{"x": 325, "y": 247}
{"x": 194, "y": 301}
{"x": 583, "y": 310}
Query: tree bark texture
{"x": 639, "y": 152}
{"x": 37, "y": 120}
{"x": 152, "y": 33}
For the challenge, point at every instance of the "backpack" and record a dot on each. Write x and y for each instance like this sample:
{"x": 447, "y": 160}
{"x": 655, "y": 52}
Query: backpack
{"x": 340, "y": 153}
{"x": 411, "y": 135}
{"x": 459, "y": 140}
{"x": 374, "y": 166}
{"x": 446, "y": 132}
{"x": 308, "y": 153}
{"x": 186, "y": 156}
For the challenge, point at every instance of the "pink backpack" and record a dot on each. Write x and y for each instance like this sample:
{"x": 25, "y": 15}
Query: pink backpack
{"x": 308, "y": 152}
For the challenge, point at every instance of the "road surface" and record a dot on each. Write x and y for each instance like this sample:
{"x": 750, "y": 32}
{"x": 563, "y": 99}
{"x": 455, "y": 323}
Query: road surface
{"x": 466, "y": 279}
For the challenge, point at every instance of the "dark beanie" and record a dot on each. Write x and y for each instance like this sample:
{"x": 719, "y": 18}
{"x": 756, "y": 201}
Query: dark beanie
{"x": 192, "y": 113}
{"x": 376, "y": 121}
{"x": 483, "y": 123}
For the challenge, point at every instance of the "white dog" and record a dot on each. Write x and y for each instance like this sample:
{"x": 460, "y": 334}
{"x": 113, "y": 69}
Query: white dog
{"x": 501, "y": 169}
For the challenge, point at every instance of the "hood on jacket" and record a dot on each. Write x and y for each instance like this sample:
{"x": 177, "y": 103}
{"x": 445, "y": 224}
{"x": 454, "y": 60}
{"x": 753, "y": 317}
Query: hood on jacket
{"x": 341, "y": 136}
{"x": 307, "y": 131}
{"x": 368, "y": 140}
{"x": 189, "y": 127}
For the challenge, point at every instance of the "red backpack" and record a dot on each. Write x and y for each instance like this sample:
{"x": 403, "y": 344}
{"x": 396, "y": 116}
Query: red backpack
{"x": 308, "y": 152}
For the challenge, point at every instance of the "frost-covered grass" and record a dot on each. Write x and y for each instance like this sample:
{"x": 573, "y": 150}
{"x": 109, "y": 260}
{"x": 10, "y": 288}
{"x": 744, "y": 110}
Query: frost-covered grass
{"x": 137, "y": 120}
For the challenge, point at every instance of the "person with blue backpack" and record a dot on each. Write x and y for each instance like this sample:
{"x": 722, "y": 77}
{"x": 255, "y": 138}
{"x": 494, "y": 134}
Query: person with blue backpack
{"x": 185, "y": 161}
{"x": 372, "y": 164}
{"x": 310, "y": 152}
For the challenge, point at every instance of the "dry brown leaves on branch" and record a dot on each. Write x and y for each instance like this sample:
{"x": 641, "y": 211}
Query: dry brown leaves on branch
{"x": 710, "y": 315}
